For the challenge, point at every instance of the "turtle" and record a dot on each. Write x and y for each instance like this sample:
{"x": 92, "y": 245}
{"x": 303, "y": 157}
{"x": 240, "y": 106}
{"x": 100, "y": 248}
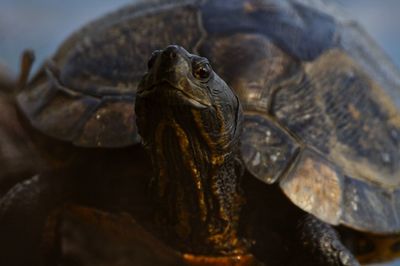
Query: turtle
{"x": 319, "y": 147}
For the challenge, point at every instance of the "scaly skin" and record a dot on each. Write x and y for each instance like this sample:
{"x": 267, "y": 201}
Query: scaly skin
{"x": 193, "y": 144}
{"x": 323, "y": 244}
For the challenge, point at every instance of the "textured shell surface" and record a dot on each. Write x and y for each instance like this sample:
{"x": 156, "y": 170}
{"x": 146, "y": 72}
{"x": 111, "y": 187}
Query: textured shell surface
{"x": 321, "y": 98}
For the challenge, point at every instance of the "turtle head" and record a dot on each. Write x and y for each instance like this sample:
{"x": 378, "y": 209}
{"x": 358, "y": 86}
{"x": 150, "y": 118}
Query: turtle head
{"x": 182, "y": 93}
{"x": 190, "y": 121}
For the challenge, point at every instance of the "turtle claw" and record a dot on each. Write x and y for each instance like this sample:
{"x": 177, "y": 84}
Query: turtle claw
{"x": 347, "y": 259}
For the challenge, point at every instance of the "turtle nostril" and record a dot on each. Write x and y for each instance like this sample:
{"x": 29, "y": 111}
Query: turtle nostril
{"x": 171, "y": 52}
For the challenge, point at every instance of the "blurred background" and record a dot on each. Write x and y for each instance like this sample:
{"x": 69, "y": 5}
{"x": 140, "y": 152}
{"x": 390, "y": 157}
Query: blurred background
{"x": 43, "y": 24}
{"x": 381, "y": 19}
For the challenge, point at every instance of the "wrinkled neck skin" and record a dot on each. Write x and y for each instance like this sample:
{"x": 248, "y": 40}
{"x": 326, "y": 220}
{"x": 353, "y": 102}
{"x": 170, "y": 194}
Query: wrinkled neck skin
{"x": 197, "y": 190}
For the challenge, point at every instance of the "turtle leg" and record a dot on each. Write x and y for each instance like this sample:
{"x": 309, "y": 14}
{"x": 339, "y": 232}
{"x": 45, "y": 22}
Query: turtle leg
{"x": 23, "y": 213}
{"x": 321, "y": 244}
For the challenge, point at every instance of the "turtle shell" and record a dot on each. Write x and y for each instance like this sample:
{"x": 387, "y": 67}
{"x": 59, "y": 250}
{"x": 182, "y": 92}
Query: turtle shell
{"x": 85, "y": 94}
{"x": 321, "y": 100}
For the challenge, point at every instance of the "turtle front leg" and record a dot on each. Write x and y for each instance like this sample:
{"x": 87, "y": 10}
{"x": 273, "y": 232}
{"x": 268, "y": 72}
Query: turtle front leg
{"x": 23, "y": 213}
{"x": 321, "y": 244}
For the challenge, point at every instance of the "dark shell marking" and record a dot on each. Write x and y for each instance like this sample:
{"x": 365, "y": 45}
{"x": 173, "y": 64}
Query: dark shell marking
{"x": 317, "y": 83}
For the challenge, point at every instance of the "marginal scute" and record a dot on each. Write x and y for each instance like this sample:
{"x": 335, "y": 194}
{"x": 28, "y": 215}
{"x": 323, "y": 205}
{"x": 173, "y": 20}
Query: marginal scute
{"x": 267, "y": 150}
{"x": 315, "y": 185}
{"x": 319, "y": 187}
{"x": 370, "y": 207}
{"x": 111, "y": 125}
{"x": 55, "y": 110}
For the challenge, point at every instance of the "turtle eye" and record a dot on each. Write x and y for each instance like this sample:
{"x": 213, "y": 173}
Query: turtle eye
{"x": 202, "y": 71}
{"x": 153, "y": 58}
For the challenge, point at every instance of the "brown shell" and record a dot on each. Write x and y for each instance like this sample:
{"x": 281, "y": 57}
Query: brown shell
{"x": 85, "y": 94}
{"x": 321, "y": 99}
